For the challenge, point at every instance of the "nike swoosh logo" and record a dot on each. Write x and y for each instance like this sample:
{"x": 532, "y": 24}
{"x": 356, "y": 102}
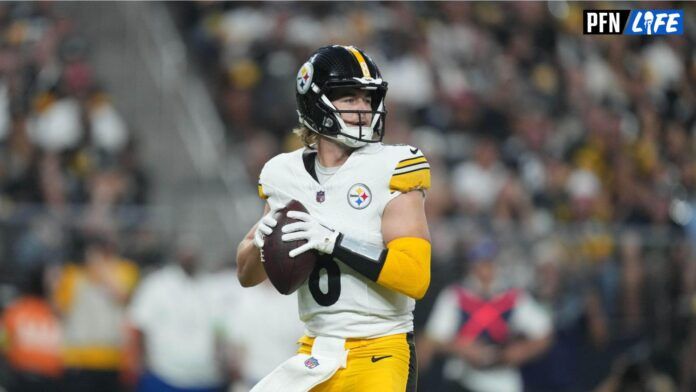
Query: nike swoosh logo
{"x": 375, "y": 359}
{"x": 414, "y": 150}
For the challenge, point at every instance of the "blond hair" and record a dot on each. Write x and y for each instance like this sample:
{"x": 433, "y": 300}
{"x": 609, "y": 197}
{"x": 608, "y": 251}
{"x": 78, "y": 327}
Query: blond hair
{"x": 309, "y": 138}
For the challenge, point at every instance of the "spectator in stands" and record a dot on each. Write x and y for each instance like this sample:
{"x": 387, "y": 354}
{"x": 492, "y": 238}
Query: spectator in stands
{"x": 636, "y": 374}
{"x": 177, "y": 339}
{"x": 30, "y": 338}
{"x": 56, "y": 128}
{"x": 478, "y": 183}
{"x": 109, "y": 133}
{"x": 486, "y": 327}
{"x": 18, "y": 160}
{"x": 580, "y": 324}
{"x": 603, "y": 129}
{"x": 91, "y": 297}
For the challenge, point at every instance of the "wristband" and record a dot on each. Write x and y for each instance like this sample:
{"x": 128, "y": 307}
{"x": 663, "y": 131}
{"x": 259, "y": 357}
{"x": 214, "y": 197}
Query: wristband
{"x": 366, "y": 259}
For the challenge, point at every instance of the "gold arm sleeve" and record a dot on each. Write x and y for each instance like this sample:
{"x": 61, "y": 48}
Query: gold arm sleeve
{"x": 407, "y": 267}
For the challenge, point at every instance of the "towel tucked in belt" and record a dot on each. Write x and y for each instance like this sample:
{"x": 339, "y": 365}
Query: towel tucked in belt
{"x": 303, "y": 372}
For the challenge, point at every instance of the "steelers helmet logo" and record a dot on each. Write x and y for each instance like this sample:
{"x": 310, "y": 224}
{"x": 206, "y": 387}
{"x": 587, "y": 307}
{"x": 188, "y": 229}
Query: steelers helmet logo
{"x": 359, "y": 196}
{"x": 304, "y": 77}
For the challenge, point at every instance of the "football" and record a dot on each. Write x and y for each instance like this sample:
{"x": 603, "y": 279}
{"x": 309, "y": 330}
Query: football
{"x": 287, "y": 274}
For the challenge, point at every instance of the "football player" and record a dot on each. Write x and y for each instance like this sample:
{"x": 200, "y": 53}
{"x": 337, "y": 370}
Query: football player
{"x": 366, "y": 219}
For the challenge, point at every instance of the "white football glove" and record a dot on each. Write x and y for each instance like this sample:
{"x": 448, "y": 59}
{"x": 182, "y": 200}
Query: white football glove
{"x": 264, "y": 228}
{"x": 309, "y": 228}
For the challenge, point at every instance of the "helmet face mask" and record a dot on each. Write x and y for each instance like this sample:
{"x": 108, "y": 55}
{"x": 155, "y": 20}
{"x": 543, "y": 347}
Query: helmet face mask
{"x": 333, "y": 72}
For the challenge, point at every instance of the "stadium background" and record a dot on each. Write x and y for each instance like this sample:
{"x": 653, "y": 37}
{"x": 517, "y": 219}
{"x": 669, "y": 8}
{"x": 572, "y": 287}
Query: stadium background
{"x": 146, "y": 123}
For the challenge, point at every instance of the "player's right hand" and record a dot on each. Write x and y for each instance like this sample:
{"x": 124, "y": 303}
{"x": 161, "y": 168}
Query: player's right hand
{"x": 264, "y": 227}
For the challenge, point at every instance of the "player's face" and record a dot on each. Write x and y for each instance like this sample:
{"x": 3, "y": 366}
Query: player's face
{"x": 355, "y": 99}
{"x": 484, "y": 271}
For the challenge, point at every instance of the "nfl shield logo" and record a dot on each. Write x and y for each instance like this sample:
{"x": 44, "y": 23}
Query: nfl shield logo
{"x": 321, "y": 196}
{"x": 311, "y": 363}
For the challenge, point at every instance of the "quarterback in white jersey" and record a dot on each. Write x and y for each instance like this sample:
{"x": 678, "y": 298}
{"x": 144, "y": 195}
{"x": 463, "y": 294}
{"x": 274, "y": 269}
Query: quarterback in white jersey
{"x": 366, "y": 218}
{"x": 352, "y": 202}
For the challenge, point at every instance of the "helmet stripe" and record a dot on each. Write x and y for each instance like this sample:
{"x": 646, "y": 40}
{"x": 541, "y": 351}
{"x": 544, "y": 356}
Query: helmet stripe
{"x": 361, "y": 60}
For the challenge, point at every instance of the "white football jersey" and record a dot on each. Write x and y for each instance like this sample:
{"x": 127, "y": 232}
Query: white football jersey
{"x": 335, "y": 300}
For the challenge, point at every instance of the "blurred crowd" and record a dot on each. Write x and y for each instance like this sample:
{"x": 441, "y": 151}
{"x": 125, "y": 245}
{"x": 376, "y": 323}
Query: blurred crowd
{"x": 69, "y": 173}
{"x": 92, "y": 296}
{"x": 62, "y": 144}
{"x": 576, "y": 153}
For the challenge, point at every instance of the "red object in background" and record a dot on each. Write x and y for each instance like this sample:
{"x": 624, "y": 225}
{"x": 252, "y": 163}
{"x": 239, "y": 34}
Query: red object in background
{"x": 33, "y": 337}
{"x": 488, "y": 316}
{"x": 78, "y": 77}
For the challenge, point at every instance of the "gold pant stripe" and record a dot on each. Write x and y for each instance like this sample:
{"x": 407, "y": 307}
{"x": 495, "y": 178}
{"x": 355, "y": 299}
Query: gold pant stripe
{"x": 411, "y": 162}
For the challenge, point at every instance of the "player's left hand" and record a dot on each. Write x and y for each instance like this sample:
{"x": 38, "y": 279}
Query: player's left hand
{"x": 318, "y": 236}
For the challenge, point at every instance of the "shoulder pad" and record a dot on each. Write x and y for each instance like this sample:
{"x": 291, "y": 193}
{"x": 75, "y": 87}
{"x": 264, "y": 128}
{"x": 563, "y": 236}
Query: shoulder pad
{"x": 275, "y": 167}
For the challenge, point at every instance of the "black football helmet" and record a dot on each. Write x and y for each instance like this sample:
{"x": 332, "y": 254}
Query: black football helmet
{"x": 319, "y": 79}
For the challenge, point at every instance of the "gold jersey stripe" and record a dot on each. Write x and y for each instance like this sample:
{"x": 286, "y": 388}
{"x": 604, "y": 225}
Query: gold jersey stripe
{"x": 411, "y": 161}
{"x": 261, "y": 194}
{"x": 361, "y": 60}
{"x": 410, "y": 180}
